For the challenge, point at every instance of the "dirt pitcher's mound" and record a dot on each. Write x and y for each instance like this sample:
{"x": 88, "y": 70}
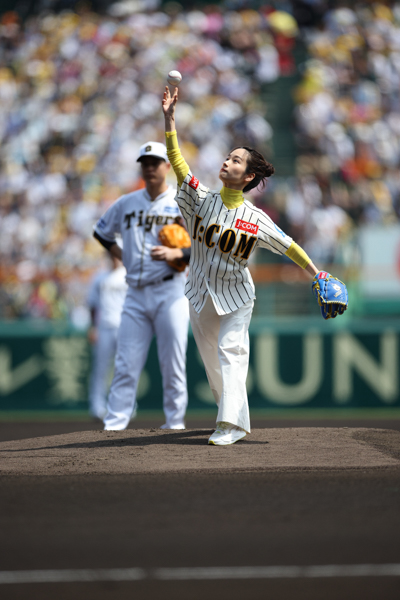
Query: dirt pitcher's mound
{"x": 154, "y": 450}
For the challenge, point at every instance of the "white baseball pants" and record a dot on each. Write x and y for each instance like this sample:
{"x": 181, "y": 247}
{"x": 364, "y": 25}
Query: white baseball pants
{"x": 103, "y": 358}
{"x": 223, "y": 343}
{"x": 161, "y": 310}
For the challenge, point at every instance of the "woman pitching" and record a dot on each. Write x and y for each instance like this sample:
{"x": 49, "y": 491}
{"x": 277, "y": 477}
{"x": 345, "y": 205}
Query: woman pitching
{"x": 225, "y": 229}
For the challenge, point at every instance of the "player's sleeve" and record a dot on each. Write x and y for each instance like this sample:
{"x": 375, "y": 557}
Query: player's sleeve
{"x": 108, "y": 226}
{"x": 190, "y": 195}
{"x": 271, "y": 237}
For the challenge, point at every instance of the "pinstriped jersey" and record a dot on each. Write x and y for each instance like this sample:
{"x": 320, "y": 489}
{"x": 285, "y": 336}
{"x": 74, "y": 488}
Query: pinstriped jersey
{"x": 222, "y": 242}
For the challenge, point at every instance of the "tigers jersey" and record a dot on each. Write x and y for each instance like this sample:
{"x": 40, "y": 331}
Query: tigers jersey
{"x": 222, "y": 242}
{"x": 139, "y": 219}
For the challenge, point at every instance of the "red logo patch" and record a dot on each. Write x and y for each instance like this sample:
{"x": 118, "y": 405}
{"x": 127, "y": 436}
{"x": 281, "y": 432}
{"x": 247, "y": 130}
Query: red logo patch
{"x": 246, "y": 226}
{"x": 194, "y": 183}
{"x": 322, "y": 275}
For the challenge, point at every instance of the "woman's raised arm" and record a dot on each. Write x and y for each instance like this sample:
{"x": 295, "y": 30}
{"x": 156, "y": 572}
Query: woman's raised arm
{"x": 180, "y": 166}
{"x": 168, "y": 106}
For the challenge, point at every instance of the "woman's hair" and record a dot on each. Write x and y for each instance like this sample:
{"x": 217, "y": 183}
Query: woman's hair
{"x": 256, "y": 164}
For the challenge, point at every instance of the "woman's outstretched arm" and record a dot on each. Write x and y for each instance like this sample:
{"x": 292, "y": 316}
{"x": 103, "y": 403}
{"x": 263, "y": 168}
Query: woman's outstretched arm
{"x": 298, "y": 256}
{"x": 168, "y": 106}
{"x": 180, "y": 166}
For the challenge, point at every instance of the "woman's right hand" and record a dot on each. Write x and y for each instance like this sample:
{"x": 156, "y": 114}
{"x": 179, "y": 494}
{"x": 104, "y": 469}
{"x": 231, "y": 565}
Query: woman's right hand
{"x": 169, "y": 103}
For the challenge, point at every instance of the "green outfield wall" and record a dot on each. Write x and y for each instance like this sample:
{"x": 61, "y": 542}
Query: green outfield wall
{"x": 302, "y": 363}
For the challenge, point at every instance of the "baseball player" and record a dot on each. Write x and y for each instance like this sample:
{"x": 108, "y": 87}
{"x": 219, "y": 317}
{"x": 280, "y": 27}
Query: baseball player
{"x": 225, "y": 229}
{"x": 155, "y": 303}
{"x": 105, "y": 299}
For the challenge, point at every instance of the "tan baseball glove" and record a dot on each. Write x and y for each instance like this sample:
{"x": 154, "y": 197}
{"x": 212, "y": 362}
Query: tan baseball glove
{"x": 175, "y": 236}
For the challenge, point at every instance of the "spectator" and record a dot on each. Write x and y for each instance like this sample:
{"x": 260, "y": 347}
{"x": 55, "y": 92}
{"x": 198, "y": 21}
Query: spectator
{"x": 76, "y": 93}
{"x": 78, "y": 90}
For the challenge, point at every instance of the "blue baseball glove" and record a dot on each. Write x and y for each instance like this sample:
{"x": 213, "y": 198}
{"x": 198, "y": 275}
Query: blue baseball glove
{"x": 331, "y": 294}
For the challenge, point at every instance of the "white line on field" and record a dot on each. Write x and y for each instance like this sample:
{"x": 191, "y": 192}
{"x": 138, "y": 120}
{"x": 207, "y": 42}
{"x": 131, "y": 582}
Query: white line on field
{"x": 72, "y": 575}
{"x": 199, "y": 573}
{"x": 284, "y": 572}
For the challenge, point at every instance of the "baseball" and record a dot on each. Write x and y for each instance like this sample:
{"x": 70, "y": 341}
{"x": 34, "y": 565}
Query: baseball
{"x": 174, "y": 78}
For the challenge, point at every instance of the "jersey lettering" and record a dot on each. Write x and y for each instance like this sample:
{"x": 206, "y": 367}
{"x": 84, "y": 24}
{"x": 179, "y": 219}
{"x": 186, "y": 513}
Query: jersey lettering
{"x": 214, "y": 228}
{"x": 128, "y": 218}
{"x": 245, "y": 246}
{"x": 227, "y": 240}
{"x": 149, "y": 221}
{"x": 246, "y": 226}
{"x": 194, "y": 183}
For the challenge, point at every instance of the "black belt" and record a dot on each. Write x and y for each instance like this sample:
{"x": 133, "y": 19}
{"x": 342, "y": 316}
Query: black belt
{"x": 166, "y": 278}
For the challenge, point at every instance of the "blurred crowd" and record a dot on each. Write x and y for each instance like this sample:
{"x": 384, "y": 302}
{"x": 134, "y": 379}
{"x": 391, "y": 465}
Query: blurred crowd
{"x": 80, "y": 92}
{"x": 347, "y": 129}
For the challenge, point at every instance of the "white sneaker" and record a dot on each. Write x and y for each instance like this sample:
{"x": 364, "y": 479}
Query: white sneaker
{"x": 165, "y": 426}
{"x": 226, "y": 434}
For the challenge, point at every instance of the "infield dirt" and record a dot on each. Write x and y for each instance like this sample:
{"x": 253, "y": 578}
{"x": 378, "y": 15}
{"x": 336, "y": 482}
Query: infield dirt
{"x": 154, "y": 450}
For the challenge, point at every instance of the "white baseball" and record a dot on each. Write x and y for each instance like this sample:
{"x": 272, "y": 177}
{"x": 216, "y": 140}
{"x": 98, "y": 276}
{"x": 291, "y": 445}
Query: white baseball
{"x": 174, "y": 78}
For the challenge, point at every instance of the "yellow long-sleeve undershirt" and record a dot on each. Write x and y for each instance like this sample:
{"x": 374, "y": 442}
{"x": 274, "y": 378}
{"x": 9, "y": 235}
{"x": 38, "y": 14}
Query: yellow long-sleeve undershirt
{"x": 231, "y": 198}
{"x": 179, "y": 164}
{"x": 297, "y": 255}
